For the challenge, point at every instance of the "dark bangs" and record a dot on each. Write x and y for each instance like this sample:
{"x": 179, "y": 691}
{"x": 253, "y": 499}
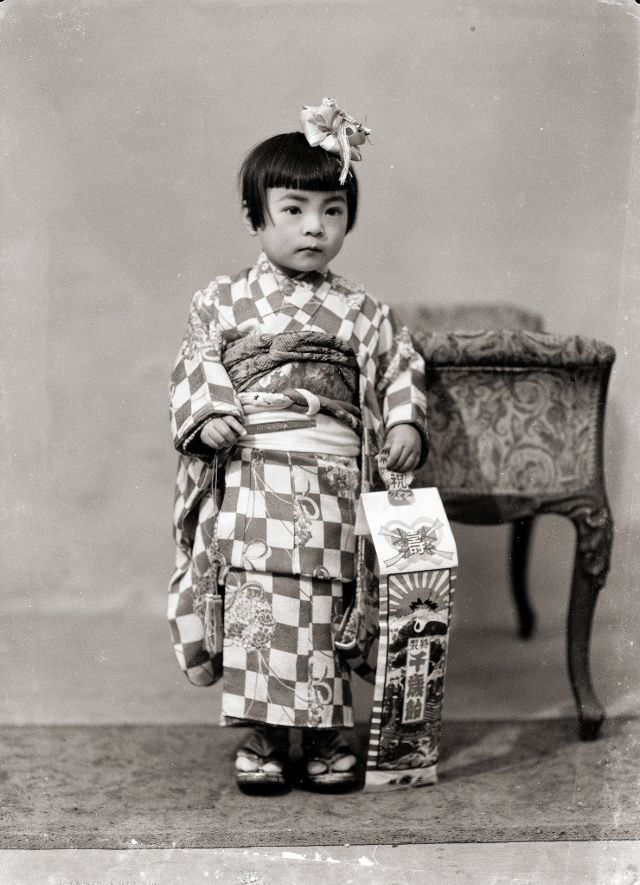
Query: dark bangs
{"x": 289, "y": 161}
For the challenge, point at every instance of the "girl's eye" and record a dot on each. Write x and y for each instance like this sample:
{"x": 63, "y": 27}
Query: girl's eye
{"x": 292, "y": 210}
{"x": 335, "y": 210}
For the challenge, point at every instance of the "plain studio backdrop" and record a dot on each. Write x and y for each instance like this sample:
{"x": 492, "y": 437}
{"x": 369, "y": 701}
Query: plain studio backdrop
{"x": 503, "y": 167}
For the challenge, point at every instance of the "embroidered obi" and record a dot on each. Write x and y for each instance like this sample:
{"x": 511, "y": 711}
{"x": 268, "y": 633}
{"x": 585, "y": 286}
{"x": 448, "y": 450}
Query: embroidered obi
{"x": 307, "y": 372}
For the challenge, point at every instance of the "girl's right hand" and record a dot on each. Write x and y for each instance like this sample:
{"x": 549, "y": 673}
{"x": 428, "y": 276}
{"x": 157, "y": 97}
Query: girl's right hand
{"x": 222, "y": 432}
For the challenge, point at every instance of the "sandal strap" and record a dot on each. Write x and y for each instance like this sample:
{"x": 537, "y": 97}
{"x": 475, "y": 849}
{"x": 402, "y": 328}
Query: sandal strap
{"x": 326, "y": 748}
{"x": 266, "y": 745}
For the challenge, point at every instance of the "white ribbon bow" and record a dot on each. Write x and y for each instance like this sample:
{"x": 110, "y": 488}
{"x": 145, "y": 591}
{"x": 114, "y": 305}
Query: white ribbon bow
{"x": 331, "y": 128}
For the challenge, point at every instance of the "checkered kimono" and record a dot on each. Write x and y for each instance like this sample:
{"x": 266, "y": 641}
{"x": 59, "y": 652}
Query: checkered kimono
{"x": 281, "y": 536}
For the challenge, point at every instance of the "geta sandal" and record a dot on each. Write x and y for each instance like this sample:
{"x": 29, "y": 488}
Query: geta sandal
{"x": 329, "y": 760}
{"x": 262, "y": 760}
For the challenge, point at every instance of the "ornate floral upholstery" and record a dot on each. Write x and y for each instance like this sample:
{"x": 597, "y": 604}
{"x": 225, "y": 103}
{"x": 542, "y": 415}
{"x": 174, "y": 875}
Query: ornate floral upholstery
{"x": 516, "y": 424}
{"x": 513, "y": 412}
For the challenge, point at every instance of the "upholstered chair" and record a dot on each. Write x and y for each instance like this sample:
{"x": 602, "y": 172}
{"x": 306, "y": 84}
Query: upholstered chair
{"x": 516, "y": 420}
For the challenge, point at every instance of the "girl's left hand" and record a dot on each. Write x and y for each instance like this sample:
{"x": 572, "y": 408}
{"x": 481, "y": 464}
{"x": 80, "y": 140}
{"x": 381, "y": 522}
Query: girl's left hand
{"x": 405, "y": 445}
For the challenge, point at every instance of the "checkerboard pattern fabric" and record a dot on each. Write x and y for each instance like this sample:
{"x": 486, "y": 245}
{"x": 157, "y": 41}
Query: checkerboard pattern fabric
{"x": 286, "y": 531}
{"x": 263, "y": 300}
{"x": 187, "y": 632}
{"x": 279, "y": 662}
{"x": 290, "y": 513}
{"x": 279, "y": 518}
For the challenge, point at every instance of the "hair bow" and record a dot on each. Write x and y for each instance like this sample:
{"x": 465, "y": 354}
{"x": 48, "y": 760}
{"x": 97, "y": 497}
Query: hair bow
{"x": 331, "y": 128}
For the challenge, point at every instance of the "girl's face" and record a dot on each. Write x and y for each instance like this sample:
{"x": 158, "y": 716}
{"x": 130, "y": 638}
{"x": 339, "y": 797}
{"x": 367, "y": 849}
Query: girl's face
{"x": 303, "y": 230}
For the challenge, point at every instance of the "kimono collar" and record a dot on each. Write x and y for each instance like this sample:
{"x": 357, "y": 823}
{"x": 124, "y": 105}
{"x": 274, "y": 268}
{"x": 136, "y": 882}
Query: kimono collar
{"x": 268, "y": 272}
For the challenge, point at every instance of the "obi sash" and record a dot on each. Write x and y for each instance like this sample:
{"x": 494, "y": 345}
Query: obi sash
{"x": 301, "y": 371}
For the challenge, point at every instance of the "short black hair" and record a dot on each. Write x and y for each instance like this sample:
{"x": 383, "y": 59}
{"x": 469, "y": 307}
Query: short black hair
{"x": 288, "y": 160}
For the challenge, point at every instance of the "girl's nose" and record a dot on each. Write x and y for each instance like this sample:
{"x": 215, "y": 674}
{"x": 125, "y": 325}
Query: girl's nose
{"x": 313, "y": 224}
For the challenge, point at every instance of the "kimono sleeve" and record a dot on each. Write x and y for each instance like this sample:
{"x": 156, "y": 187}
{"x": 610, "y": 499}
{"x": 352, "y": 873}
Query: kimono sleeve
{"x": 200, "y": 388}
{"x": 400, "y": 381}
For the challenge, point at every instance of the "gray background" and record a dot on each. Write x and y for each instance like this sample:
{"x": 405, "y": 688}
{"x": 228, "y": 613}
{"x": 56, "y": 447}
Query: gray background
{"x": 504, "y": 166}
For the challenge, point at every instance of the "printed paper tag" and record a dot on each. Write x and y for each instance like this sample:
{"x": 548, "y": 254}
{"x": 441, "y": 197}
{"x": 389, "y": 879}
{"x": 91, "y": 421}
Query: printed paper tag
{"x": 411, "y": 538}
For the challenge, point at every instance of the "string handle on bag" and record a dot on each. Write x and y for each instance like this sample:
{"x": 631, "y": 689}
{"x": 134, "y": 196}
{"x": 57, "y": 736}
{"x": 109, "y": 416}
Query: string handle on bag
{"x": 398, "y": 485}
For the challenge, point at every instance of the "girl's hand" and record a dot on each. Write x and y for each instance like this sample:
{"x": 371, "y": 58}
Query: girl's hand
{"x": 222, "y": 432}
{"x": 405, "y": 446}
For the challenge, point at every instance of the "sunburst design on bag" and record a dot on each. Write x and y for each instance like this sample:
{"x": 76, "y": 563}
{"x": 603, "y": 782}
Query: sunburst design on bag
{"x": 409, "y": 592}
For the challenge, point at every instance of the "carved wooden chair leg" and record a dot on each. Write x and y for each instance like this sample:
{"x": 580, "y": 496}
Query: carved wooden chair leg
{"x": 593, "y": 548}
{"x": 520, "y": 543}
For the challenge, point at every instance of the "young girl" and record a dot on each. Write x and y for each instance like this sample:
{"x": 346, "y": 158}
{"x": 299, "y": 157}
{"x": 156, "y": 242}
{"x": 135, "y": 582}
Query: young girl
{"x": 289, "y": 382}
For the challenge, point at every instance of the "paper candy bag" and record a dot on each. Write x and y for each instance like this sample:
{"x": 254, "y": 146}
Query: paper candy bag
{"x": 417, "y": 561}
